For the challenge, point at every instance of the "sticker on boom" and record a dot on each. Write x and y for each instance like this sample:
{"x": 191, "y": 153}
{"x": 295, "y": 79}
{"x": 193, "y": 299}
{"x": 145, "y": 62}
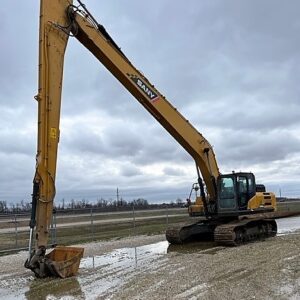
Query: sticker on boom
{"x": 144, "y": 87}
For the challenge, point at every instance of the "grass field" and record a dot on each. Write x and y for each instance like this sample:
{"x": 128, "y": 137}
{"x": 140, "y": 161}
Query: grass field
{"x": 90, "y": 228}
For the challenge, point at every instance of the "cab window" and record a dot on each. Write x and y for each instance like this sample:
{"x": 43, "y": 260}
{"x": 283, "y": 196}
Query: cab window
{"x": 227, "y": 194}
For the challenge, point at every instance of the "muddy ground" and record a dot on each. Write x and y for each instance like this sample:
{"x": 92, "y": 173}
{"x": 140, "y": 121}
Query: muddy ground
{"x": 148, "y": 268}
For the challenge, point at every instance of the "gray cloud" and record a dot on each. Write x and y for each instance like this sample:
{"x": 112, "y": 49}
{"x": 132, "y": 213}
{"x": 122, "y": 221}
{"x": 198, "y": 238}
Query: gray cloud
{"x": 171, "y": 171}
{"x": 130, "y": 170}
{"x": 255, "y": 148}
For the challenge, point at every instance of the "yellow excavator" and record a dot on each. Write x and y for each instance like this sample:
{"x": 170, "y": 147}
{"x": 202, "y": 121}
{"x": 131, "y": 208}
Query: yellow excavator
{"x": 226, "y": 200}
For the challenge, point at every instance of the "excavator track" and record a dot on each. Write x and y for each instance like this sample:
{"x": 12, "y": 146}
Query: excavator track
{"x": 184, "y": 232}
{"x": 233, "y": 233}
{"x": 245, "y": 231}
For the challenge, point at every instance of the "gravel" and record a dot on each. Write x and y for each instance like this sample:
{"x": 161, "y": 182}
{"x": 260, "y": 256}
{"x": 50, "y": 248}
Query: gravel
{"x": 143, "y": 267}
{"x": 262, "y": 270}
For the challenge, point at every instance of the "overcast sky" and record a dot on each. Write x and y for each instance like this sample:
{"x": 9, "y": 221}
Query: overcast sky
{"x": 230, "y": 67}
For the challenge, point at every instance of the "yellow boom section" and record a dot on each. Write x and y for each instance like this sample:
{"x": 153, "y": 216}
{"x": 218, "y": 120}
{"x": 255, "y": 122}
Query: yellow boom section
{"x": 63, "y": 261}
{"x": 52, "y": 45}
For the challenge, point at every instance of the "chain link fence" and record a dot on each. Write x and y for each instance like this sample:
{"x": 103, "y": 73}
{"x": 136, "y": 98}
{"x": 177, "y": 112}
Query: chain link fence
{"x": 86, "y": 225}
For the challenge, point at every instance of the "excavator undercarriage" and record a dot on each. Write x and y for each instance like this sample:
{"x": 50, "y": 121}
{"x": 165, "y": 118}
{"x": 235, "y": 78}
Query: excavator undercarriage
{"x": 226, "y": 232}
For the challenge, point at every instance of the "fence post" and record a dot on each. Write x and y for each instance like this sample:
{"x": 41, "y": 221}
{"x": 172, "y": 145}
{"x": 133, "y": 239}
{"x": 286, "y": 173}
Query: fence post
{"x": 53, "y": 227}
{"x": 55, "y": 222}
{"x": 167, "y": 215}
{"x": 16, "y": 230}
{"x": 92, "y": 225}
{"x": 133, "y": 216}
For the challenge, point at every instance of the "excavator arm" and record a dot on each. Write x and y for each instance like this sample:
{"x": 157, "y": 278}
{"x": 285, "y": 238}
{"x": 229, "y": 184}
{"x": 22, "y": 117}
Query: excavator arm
{"x": 52, "y": 45}
{"x": 58, "y": 20}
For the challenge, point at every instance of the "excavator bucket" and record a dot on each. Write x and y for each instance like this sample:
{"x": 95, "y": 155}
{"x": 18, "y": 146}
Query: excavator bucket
{"x": 64, "y": 261}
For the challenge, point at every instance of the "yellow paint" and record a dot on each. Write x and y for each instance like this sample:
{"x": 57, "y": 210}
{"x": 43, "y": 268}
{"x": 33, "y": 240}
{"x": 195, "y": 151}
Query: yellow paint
{"x": 266, "y": 200}
{"x": 197, "y": 208}
{"x": 53, "y": 133}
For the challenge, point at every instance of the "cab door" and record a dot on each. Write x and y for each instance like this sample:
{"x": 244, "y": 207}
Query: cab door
{"x": 227, "y": 195}
{"x": 242, "y": 192}
{"x": 245, "y": 189}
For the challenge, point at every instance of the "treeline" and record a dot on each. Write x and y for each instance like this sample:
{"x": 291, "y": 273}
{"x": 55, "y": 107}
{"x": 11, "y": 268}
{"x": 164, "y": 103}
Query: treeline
{"x": 101, "y": 203}
{"x": 21, "y": 206}
{"x": 83, "y": 205}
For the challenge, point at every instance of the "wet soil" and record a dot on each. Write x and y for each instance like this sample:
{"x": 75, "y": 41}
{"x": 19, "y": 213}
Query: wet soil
{"x": 148, "y": 268}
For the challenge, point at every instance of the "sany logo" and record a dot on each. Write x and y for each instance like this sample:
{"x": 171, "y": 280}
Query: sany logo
{"x": 147, "y": 91}
{"x": 143, "y": 86}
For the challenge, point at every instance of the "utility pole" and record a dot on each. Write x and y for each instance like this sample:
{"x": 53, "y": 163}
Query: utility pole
{"x": 117, "y": 196}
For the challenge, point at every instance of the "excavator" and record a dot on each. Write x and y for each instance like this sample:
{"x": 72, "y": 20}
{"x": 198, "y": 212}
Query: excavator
{"x": 231, "y": 205}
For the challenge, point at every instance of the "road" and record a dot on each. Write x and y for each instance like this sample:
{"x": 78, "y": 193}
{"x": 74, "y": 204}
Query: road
{"x": 106, "y": 221}
{"x": 6, "y": 218}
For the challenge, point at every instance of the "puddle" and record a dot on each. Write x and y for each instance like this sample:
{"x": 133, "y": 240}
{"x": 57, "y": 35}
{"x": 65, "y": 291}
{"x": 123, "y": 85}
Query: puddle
{"x": 125, "y": 257}
{"x": 288, "y": 225}
{"x": 104, "y": 274}
{"x": 98, "y": 275}
{"x": 107, "y": 273}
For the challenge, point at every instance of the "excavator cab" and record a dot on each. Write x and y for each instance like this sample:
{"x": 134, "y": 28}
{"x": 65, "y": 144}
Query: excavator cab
{"x": 236, "y": 191}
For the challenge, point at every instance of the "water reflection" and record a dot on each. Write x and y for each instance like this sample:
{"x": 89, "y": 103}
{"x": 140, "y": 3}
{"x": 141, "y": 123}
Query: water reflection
{"x": 125, "y": 257}
{"x": 106, "y": 273}
{"x": 287, "y": 225}
{"x": 54, "y": 288}
{"x": 203, "y": 247}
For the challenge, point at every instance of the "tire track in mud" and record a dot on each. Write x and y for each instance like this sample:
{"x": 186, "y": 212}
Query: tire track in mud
{"x": 151, "y": 287}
